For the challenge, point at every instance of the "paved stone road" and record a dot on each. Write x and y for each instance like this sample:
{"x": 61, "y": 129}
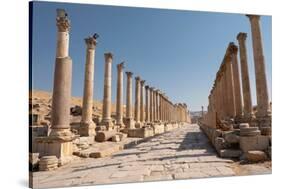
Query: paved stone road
{"x": 180, "y": 154}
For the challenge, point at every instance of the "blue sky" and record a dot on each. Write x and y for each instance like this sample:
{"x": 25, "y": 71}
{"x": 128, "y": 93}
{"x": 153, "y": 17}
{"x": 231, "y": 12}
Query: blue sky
{"x": 178, "y": 52}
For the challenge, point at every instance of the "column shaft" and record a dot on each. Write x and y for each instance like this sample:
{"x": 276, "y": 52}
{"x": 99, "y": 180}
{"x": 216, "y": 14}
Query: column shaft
{"x": 248, "y": 112}
{"x": 119, "y": 96}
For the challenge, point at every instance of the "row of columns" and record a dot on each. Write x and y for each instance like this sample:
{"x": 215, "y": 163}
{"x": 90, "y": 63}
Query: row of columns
{"x": 155, "y": 108}
{"x": 226, "y": 97}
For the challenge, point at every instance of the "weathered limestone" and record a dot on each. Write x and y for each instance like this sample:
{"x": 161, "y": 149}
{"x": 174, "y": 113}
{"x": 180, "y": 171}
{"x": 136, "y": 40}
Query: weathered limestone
{"x": 59, "y": 141}
{"x": 147, "y": 110}
{"x": 236, "y": 81}
{"x": 119, "y": 96}
{"x": 248, "y": 110}
{"x": 87, "y": 125}
{"x": 137, "y": 102}
{"x": 142, "y": 111}
{"x": 263, "y": 111}
{"x": 130, "y": 124}
{"x": 106, "y": 110}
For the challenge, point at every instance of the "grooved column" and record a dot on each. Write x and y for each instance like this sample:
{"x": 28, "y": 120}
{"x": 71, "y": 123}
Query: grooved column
{"x": 129, "y": 113}
{"x": 236, "y": 80}
{"x": 261, "y": 83}
{"x": 119, "y": 96}
{"x": 106, "y": 111}
{"x": 147, "y": 112}
{"x": 248, "y": 111}
{"x": 87, "y": 124}
{"x": 142, "y": 112}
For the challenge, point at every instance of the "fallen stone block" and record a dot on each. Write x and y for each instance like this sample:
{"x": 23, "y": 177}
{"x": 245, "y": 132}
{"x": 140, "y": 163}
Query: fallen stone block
{"x": 104, "y": 135}
{"x": 122, "y": 136}
{"x": 116, "y": 138}
{"x": 256, "y": 156}
{"x": 105, "y": 152}
{"x": 140, "y": 132}
{"x": 158, "y": 128}
{"x": 48, "y": 163}
{"x": 220, "y": 144}
{"x": 230, "y": 153}
{"x": 248, "y": 143}
{"x": 231, "y": 137}
{"x": 244, "y": 125}
{"x": 266, "y": 131}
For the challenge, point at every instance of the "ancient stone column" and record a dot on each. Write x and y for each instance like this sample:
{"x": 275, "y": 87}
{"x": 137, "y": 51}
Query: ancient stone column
{"x": 137, "y": 100}
{"x": 87, "y": 125}
{"x": 261, "y": 83}
{"x": 225, "y": 93}
{"x": 154, "y": 105}
{"x": 157, "y": 105}
{"x": 62, "y": 81}
{"x": 59, "y": 141}
{"x": 119, "y": 96}
{"x": 236, "y": 81}
{"x": 151, "y": 104}
{"x": 106, "y": 111}
{"x": 147, "y": 105}
{"x": 142, "y": 112}
{"x": 160, "y": 106}
{"x": 129, "y": 114}
{"x": 165, "y": 109}
{"x": 230, "y": 85}
{"x": 248, "y": 109}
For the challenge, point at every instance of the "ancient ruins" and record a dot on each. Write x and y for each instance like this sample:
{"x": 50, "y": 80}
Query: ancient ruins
{"x": 63, "y": 131}
{"x": 231, "y": 123}
{"x": 153, "y": 112}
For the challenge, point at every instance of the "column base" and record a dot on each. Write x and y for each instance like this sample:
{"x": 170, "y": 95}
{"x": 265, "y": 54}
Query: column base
{"x": 264, "y": 121}
{"x": 107, "y": 123}
{"x": 138, "y": 125}
{"x": 59, "y": 143}
{"x": 158, "y": 128}
{"x": 130, "y": 123}
{"x": 120, "y": 125}
{"x": 87, "y": 129}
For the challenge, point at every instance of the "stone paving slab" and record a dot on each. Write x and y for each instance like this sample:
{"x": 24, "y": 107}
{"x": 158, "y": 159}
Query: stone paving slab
{"x": 182, "y": 153}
